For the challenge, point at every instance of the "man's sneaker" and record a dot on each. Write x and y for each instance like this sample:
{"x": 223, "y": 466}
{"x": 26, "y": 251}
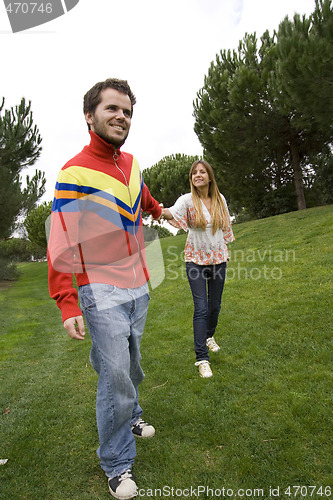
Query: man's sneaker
{"x": 204, "y": 368}
{"x": 212, "y": 345}
{"x": 123, "y": 486}
{"x": 142, "y": 429}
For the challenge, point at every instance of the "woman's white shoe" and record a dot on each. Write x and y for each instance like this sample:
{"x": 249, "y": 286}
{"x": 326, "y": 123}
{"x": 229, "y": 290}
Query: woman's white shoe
{"x": 204, "y": 368}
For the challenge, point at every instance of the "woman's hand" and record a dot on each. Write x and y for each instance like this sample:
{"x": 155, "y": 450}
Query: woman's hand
{"x": 166, "y": 214}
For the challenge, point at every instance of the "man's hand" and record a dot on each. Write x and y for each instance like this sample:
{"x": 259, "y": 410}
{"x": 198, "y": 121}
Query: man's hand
{"x": 75, "y": 327}
{"x": 159, "y": 219}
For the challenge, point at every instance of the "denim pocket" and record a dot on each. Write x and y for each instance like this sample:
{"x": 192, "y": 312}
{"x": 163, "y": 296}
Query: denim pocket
{"x": 91, "y": 295}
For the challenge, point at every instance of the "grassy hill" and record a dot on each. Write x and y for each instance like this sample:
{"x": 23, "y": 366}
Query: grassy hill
{"x": 262, "y": 424}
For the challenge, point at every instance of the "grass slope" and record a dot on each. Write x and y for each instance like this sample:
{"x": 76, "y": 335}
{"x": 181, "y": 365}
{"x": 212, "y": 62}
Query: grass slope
{"x": 263, "y": 421}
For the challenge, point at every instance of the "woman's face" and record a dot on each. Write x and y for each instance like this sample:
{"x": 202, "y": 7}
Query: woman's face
{"x": 200, "y": 177}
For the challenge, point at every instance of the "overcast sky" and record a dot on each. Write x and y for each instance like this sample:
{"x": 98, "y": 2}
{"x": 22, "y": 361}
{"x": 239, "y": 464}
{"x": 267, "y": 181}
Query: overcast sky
{"x": 163, "y": 48}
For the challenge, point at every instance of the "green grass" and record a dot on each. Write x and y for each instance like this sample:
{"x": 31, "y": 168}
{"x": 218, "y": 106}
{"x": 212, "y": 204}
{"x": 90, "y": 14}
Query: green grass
{"x": 264, "y": 419}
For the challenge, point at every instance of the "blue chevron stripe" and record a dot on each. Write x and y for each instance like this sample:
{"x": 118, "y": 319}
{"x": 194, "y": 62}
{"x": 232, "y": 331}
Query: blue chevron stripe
{"x": 106, "y": 213}
{"x": 90, "y": 190}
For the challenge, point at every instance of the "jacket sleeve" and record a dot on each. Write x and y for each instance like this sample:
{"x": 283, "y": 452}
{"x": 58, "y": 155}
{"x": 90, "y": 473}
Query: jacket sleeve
{"x": 149, "y": 204}
{"x": 62, "y": 248}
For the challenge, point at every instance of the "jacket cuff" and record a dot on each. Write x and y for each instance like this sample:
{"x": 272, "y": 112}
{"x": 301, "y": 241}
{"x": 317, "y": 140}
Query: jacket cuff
{"x": 70, "y": 312}
{"x": 156, "y": 212}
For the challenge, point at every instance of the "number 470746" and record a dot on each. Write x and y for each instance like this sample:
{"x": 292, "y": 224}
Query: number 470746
{"x": 29, "y": 8}
{"x": 306, "y": 491}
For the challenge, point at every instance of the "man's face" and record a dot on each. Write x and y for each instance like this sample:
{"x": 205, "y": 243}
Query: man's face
{"x": 112, "y": 117}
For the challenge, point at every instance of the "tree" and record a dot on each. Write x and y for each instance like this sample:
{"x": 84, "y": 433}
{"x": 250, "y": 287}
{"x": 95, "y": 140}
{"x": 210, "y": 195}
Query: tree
{"x": 169, "y": 178}
{"x": 323, "y": 183}
{"x": 20, "y": 147}
{"x": 302, "y": 82}
{"x": 304, "y": 72}
{"x": 241, "y": 131}
{"x": 246, "y": 124}
{"x": 16, "y": 250}
{"x": 35, "y": 225}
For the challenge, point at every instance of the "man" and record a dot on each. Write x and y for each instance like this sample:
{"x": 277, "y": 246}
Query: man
{"x": 96, "y": 233}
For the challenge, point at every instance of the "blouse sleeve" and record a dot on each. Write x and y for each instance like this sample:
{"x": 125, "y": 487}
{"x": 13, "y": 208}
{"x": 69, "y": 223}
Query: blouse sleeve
{"x": 179, "y": 212}
{"x": 228, "y": 232}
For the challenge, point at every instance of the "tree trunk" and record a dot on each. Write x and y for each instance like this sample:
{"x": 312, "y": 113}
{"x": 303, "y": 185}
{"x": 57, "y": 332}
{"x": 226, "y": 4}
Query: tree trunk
{"x": 296, "y": 164}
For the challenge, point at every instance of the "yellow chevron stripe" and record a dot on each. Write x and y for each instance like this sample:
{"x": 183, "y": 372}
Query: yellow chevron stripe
{"x": 98, "y": 180}
{"x": 66, "y": 177}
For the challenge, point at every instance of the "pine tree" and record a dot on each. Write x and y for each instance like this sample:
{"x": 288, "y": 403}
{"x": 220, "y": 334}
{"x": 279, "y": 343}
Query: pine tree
{"x": 305, "y": 69}
{"x": 242, "y": 132}
{"x": 20, "y": 147}
{"x": 169, "y": 178}
{"x": 258, "y": 127}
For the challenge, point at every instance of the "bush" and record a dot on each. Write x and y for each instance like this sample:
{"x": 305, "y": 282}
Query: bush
{"x": 16, "y": 250}
{"x": 12, "y": 251}
{"x": 8, "y": 270}
{"x": 151, "y": 232}
{"x": 35, "y": 226}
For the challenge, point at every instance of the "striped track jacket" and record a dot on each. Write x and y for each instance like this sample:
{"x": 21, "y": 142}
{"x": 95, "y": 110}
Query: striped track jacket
{"x": 96, "y": 224}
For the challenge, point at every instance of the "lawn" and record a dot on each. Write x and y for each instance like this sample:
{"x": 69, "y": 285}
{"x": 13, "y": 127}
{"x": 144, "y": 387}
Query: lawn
{"x": 260, "y": 425}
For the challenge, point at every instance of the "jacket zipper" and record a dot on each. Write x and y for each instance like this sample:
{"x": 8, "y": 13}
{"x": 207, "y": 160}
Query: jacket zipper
{"x": 115, "y": 158}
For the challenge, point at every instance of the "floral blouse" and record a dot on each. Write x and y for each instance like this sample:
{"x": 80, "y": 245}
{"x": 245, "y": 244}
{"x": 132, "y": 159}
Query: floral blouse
{"x": 202, "y": 246}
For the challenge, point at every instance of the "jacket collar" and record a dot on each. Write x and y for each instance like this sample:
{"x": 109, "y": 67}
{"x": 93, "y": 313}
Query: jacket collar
{"x": 102, "y": 149}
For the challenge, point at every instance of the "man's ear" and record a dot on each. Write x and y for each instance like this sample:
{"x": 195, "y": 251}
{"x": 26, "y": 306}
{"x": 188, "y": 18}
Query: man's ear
{"x": 89, "y": 118}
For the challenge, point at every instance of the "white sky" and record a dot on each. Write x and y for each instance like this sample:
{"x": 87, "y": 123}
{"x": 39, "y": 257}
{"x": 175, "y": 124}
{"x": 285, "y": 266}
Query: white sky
{"x": 162, "y": 47}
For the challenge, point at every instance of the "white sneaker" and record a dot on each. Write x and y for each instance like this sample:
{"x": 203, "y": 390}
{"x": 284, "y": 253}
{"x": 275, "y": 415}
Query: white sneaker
{"x": 204, "y": 368}
{"x": 123, "y": 487}
{"x": 142, "y": 429}
{"x": 212, "y": 345}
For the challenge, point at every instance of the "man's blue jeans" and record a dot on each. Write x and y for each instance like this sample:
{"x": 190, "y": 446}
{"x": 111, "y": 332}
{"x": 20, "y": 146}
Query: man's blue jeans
{"x": 206, "y": 284}
{"x": 116, "y": 318}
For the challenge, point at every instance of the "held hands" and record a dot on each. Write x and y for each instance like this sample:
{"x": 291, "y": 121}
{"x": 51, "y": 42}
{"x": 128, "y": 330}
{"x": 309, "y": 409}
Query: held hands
{"x": 75, "y": 327}
{"x": 165, "y": 215}
{"x": 159, "y": 219}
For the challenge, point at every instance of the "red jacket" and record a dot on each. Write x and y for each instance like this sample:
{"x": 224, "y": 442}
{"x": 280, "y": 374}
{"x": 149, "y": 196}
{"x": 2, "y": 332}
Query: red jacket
{"x": 96, "y": 224}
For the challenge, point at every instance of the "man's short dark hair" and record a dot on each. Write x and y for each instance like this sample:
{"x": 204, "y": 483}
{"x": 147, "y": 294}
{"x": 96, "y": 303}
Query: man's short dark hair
{"x": 93, "y": 97}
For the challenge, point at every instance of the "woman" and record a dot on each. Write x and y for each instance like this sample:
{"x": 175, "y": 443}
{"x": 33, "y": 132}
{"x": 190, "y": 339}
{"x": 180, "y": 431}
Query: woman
{"x": 204, "y": 214}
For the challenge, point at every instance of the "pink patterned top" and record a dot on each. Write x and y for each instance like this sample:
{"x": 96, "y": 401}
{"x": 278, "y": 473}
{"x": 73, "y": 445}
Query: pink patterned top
{"x": 202, "y": 246}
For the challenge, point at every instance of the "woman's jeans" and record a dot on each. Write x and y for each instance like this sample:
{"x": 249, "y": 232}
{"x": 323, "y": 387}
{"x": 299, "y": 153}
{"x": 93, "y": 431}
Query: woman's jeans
{"x": 115, "y": 318}
{"x": 206, "y": 284}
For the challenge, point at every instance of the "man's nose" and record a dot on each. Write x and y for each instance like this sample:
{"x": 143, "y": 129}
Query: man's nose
{"x": 120, "y": 114}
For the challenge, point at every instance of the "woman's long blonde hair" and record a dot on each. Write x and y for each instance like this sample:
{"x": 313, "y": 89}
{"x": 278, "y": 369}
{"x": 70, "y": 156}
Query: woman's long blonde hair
{"x": 219, "y": 214}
